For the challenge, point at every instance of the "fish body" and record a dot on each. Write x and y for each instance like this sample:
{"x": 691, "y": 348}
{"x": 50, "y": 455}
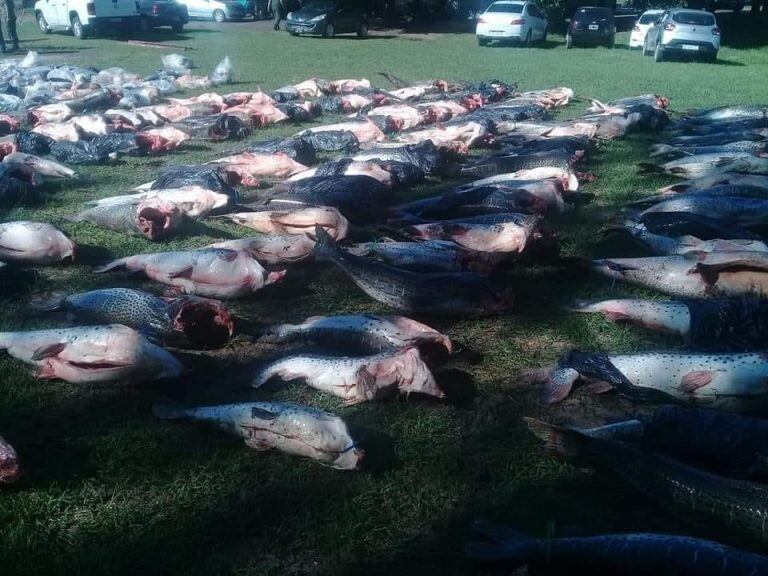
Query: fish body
{"x": 272, "y": 249}
{"x": 298, "y": 221}
{"x": 91, "y": 354}
{"x": 153, "y": 218}
{"x": 727, "y": 113}
{"x": 192, "y": 201}
{"x": 494, "y": 165}
{"x": 430, "y": 255}
{"x": 210, "y": 272}
{"x": 34, "y": 243}
{"x": 741, "y": 210}
{"x": 290, "y": 428}
{"x": 704, "y": 164}
{"x": 10, "y": 469}
{"x": 357, "y": 379}
{"x": 37, "y": 167}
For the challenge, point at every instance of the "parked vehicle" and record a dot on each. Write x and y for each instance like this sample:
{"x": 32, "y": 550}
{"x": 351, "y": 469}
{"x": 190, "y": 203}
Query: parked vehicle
{"x": 86, "y": 17}
{"x": 261, "y": 10}
{"x": 328, "y": 18}
{"x": 711, "y": 5}
{"x": 518, "y": 21}
{"x": 592, "y": 26}
{"x": 681, "y": 31}
{"x": 637, "y": 38}
{"x": 216, "y": 10}
{"x": 157, "y": 13}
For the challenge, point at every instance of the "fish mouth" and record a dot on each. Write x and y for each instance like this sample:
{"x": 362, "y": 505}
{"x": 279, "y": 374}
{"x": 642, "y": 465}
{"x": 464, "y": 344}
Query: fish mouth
{"x": 10, "y": 471}
{"x": 156, "y": 223}
{"x": 203, "y": 323}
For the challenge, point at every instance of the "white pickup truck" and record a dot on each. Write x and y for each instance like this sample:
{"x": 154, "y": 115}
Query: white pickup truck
{"x": 86, "y": 17}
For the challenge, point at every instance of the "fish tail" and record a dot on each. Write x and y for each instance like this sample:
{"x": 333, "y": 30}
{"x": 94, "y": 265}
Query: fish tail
{"x": 325, "y": 248}
{"x": 167, "y": 410}
{"x": 111, "y": 266}
{"x": 559, "y": 442}
{"x": 661, "y": 150}
{"x": 501, "y": 543}
{"x": 578, "y": 305}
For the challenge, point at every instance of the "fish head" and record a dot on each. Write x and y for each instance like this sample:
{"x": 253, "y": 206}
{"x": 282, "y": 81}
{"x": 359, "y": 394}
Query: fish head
{"x": 67, "y": 249}
{"x": 156, "y": 218}
{"x": 349, "y": 459}
{"x": 415, "y": 375}
{"x": 420, "y": 334}
{"x": 204, "y": 323}
{"x": 10, "y": 470}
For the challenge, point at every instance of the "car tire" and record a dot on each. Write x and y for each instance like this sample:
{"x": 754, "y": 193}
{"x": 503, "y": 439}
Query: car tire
{"x": 644, "y": 48}
{"x": 219, "y": 16}
{"x": 658, "y": 53}
{"x": 482, "y": 42}
{"x": 42, "y": 24}
{"x": 329, "y": 31}
{"x": 528, "y": 37}
{"x": 292, "y": 33}
{"x": 362, "y": 31}
{"x": 178, "y": 28}
{"x": 78, "y": 29}
{"x": 568, "y": 42}
{"x": 712, "y": 58}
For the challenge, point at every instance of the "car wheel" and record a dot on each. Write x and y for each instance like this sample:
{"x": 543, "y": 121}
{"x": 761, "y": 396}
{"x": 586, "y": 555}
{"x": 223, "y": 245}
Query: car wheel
{"x": 644, "y": 48}
{"x": 178, "y": 28}
{"x": 42, "y": 24}
{"x": 329, "y": 31}
{"x": 78, "y": 29}
{"x": 568, "y": 42}
{"x": 362, "y": 31}
{"x": 482, "y": 42}
{"x": 528, "y": 39}
{"x": 219, "y": 16}
{"x": 658, "y": 54}
{"x": 292, "y": 33}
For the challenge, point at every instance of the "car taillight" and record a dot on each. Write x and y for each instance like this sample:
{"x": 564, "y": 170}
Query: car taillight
{"x": 91, "y": 7}
{"x": 636, "y": 28}
{"x": 518, "y": 22}
{"x": 716, "y": 31}
{"x": 669, "y": 27}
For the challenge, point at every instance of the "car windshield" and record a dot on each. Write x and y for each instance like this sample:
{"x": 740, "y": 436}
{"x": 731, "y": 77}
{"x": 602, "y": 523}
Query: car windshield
{"x": 319, "y": 5}
{"x": 694, "y": 18}
{"x": 648, "y": 18}
{"x": 594, "y": 13}
{"x": 506, "y": 8}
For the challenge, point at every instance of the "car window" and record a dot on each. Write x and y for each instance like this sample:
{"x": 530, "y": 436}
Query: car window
{"x": 505, "y": 8}
{"x": 648, "y": 18}
{"x": 319, "y": 5}
{"x": 694, "y": 18}
{"x": 594, "y": 12}
{"x": 536, "y": 11}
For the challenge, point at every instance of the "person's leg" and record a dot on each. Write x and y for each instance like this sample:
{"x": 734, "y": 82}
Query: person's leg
{"x": 2, "y": 40}
{"x": 11, "y": 15}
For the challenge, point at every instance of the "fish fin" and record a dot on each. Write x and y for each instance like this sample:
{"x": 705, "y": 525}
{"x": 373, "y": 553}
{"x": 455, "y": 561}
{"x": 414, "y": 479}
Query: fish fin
{"x": 500, "y": 543}
{"x": 48, "y": 351}
{"x": 168, "y": 411}
{"x": 109, "y": 267}
{"x": 696, "y": 379}
{"x": 560, "y": 442}
{"x": 598, "y": 387}
{"x": 185, "y": 273}
{"x": 258, "y": 445}
{"x": 52, "y": 303}
{"x": 263, "y": 413}
{"x": 325, "y": 248}
{"x": 229, "y": 256}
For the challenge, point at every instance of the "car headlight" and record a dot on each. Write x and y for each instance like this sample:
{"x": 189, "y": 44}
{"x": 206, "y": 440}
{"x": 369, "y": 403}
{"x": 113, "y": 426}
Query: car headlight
{"x": 317, "y": 18}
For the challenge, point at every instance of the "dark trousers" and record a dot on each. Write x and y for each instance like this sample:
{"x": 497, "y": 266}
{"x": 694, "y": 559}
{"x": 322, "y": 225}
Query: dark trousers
{"x": 10, "y": 22}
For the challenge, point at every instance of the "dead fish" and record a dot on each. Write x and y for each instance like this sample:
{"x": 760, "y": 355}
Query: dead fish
{"x": 91, "y": 354}
{"x": 211, "y": 272}
{"x": 493, "y": 165}
{"x": 250, "y": 169}
{"x": 708, "y": 164}
{"x": 34, "y": 243}
{"x": 430, "y": 255}
{"x": 10, "y": 469}
{"x": 290, "y": 428}
{"x": 362, "y": 333}
{"x": 192, "y": 201}
{"x": 357, "y": 379}
{"x": 272, "y": 249}
{"x": 668, "y": 151}
{"x": 37, "y": 167}
{"x": 507, "y": 233}
{"x": 153, "y": 218}
{"x": 442, "y": 293}
{"x": 727, "y": 113}
{"x": 184, "y": 321}
{"x": 706, "y": 182}
{"x": 741, "y": 210}
{"x": 299, "y": 221}
{"x": 695, "y": 275}
{"x": 365, "y": 131}
{"x": 566, "y": 177}
{"x": 726, "y": 381}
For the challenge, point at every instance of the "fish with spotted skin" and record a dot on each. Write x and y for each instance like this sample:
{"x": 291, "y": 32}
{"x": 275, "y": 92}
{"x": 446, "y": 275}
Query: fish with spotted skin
{"x": 733, "y": 505}
{"x": 628, "y": 554}
{"x": 290, "y": 428}
{"x": 429, "y": 256}
{"x": 10, "y": 469}
{"x": 184, "y": 321}
{"x": 28, "y": 242}
{"x": 91, "y": 354}
{"x": 357, "y": 379}
{"x": 737, "y": 382}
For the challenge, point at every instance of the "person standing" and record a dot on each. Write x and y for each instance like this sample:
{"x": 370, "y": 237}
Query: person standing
{"x": 10, "y": 23}
{"x": 278, "y": 10}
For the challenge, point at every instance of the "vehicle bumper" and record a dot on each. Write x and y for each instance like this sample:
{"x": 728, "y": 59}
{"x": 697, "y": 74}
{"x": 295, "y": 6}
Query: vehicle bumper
{"x": 103, "y": 23}
{"x": 636, "y": 40}
{"x": 582, "y": 37}
{"x": 167, "y": 20}
{"x": 305, "y": 27}
{"x": 490, "y": 32}
{"x": 684, "y": 47}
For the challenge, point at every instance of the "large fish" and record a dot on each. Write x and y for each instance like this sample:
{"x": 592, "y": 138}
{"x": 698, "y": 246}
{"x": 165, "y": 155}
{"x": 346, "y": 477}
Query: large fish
{"x": 192, "y": 201}
{"x": 211, "y": 272}
{"x": 709, "y": 164}
{"x": 745, "y": 211}
{"x": 290, "y": 428}
{"x": 631, "y": 554}
{"x": 10, "y": 469}
{"x": 696, "y": 275}
{"x": 737, "y": 323}
{"x": 429, "y": 256}
{"x": 494, "y": 165}
{"x": 357, "y": 379}
{"x": 298, "y": 221}
{"x": 668, "y": 151}
{"x": 249, "y": 169}
{"x": 565, "y": 176}
{"x": 442, "y": 294}
{"x": 34, "y": 243}
{"x": 736, "y": 382}
{"x": 733, "y": 505}
{"x": 346, "y": 167}
{"x": 184, "y": 321}
{"x": 37, "y": 168}
{"x": 468, "y": 133}
{"x": 364, "y": 131}
{"x": 152, "y": 217}
{"x": 91, "y": 354}
{"x": 362, "y": 333}
{"x": 707, "y": 182}
{"x": 271, "y": 249}
{"x": 727, "y": 113}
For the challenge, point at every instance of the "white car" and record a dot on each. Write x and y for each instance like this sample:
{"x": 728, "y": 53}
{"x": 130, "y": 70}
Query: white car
{"x": 519, "y": 21}
{"x": 86, "y": 17}
{"x": 637, "y": 38}
{"x": 683, "y": 32}
{"x": 216, "y": 10}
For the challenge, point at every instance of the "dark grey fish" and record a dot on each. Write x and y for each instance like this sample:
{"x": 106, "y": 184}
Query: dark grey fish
{"x": 668, "y": 151}
{"x": 741, "y": 210}
{"x": 429, "y": 256}
{"x": 503, "y": 164}
{"x": 727, "y": 113}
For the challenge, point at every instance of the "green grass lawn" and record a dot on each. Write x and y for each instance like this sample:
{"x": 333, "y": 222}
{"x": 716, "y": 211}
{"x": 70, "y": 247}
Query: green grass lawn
{"x": 109, "y": 490}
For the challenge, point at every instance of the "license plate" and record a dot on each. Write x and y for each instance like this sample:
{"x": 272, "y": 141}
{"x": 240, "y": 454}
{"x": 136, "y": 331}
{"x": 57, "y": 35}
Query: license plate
{"x": 594, "y": 27}
{"x": 690, "y": 47}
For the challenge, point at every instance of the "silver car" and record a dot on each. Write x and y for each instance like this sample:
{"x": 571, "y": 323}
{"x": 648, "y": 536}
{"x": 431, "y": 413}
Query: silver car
{"x": 683, "y": 32}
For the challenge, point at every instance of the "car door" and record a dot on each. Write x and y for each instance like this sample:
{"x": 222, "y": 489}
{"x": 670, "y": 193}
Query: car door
{"x": 50, "y": 12}
{"x": 539, "y": 23}
{"x": 346, "y": 18}
{"x": 653, "y": 31}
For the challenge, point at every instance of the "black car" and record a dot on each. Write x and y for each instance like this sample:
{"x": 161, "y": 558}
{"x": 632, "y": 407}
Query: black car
{"x": 328, "y": 18}
{"x": 591, "y": 26}
{"x": 156, "y": 13}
